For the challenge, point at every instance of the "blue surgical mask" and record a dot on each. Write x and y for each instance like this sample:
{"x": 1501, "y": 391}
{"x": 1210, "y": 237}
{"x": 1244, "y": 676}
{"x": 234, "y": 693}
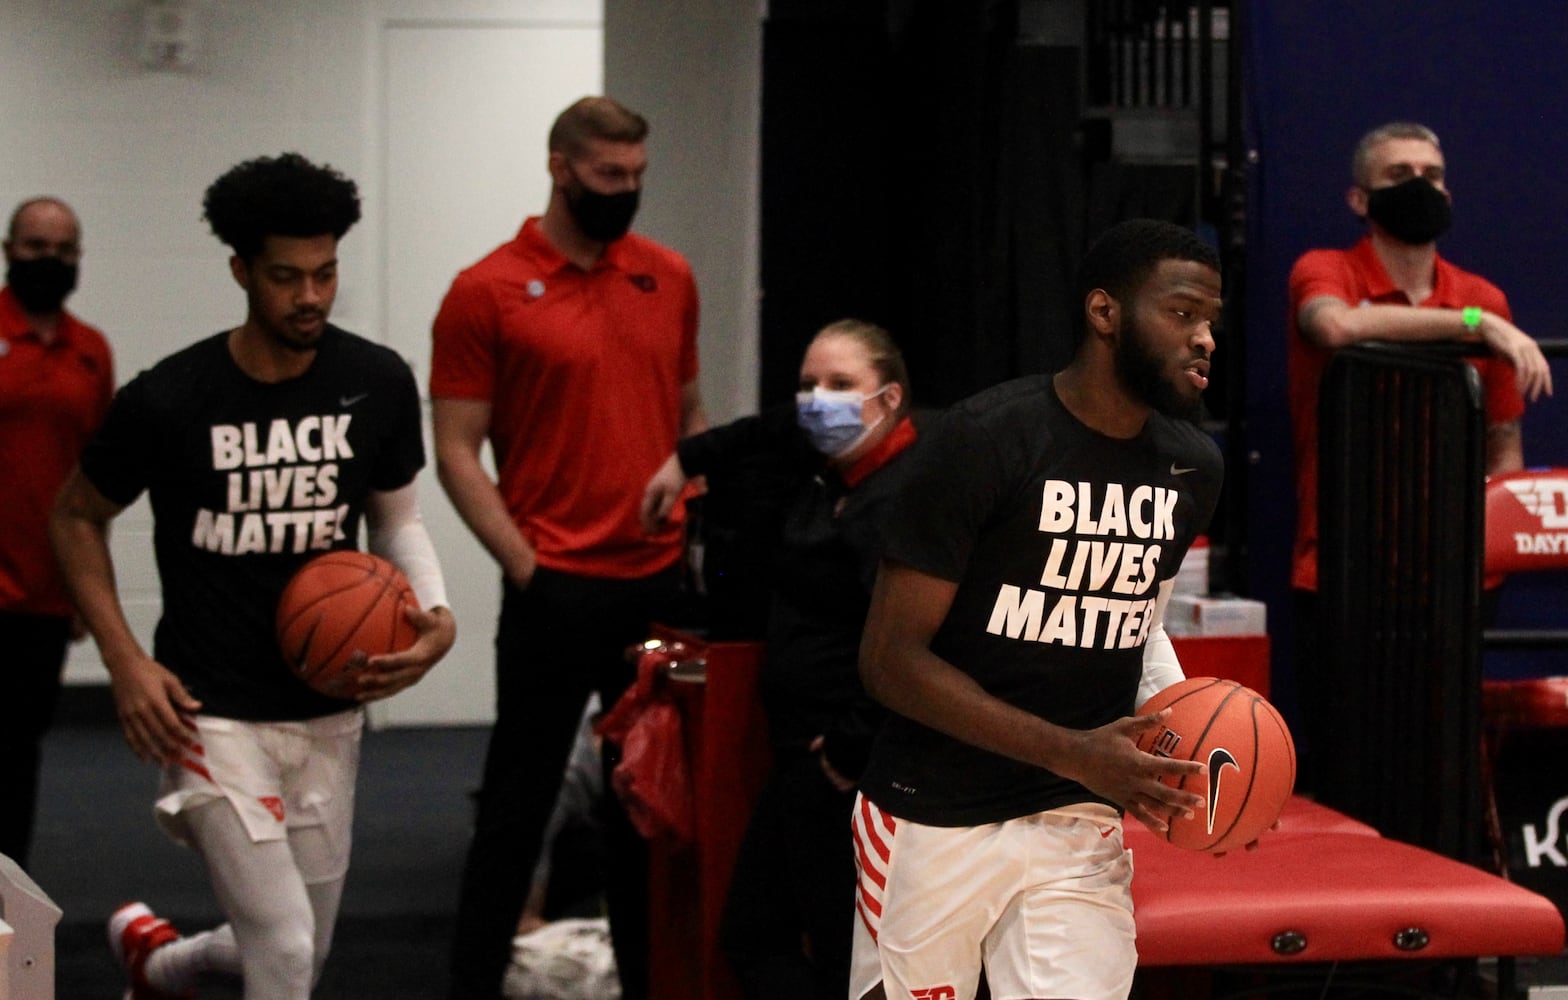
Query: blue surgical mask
{"x": 831, "y": 418}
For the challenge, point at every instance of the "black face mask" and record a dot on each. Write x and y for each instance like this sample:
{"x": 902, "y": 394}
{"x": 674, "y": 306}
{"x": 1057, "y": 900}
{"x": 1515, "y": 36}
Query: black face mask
{"x": 601, "y": 217}
{"x": 41, "y": 284}
{"x": 1412, "y": 211}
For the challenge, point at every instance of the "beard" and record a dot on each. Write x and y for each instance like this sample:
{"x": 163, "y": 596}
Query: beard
{"x": 1144, "y": 374}
{"x": 285, "y": 336}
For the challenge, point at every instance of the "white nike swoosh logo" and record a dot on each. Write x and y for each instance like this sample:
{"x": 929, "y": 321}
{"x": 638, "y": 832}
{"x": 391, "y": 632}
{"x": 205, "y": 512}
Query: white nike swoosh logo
{"x": 1177, "y": 470}
{"x": 1219, "y": 759}
{"x": 351, "y": 400}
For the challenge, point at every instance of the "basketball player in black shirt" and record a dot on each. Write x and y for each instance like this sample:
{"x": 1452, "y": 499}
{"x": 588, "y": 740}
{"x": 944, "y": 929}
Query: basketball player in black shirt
{"x": 1015, "y": 627}
{"x": 259, "y": 447}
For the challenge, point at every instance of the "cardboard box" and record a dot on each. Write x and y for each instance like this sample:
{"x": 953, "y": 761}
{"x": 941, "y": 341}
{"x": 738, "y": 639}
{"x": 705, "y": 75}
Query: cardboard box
{"x": 1193, "y": 615}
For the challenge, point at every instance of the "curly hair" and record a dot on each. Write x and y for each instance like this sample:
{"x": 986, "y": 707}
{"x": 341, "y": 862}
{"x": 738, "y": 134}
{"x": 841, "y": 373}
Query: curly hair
{"x": 283, "y": 195}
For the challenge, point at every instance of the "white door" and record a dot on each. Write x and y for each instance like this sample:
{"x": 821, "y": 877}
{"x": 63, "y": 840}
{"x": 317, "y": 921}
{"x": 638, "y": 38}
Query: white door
{"x": 466, "y": 112}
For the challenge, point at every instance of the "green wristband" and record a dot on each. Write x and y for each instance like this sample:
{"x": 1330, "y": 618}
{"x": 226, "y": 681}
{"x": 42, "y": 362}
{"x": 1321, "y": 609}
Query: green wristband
{"x": 1471, "y": 315}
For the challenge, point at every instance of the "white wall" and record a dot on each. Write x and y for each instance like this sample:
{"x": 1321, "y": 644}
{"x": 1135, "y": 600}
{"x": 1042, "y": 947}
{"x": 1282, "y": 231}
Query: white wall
{"x": 133, "y": 150}
{"x": 694, "y": 68}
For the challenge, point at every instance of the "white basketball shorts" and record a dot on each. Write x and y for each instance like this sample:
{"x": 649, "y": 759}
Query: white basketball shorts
{"x": 1044, "y": 902}
{"x": 278, "y": 775}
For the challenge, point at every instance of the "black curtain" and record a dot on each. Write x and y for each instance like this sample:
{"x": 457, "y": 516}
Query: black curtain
{"x": 826, "y": 177}
{"x": 920, "y": 169}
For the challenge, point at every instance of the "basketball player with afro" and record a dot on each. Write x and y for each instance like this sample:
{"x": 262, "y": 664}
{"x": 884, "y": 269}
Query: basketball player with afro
{"x": 259, "y": 447}
{"x": 1015, "y": 626}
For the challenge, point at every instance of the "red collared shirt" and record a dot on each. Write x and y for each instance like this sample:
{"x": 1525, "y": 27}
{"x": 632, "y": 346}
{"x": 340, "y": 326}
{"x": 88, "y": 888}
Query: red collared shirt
{"x": 584, "y": 371}
{"x": 1356, "y": 276}
{"x": 52, "y": 398}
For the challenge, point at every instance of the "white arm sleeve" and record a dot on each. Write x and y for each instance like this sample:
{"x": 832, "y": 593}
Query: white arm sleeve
{"x": 397, "y": 534}
{"x": 1161, "y": 669}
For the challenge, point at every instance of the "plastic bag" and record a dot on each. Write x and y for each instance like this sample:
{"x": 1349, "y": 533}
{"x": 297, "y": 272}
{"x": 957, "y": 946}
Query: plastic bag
{"x": 653, "y": 777}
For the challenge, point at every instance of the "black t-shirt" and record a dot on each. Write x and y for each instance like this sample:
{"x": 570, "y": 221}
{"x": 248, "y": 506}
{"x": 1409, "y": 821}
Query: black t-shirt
{"x": 247, "y": 481}
{"x": 1057, "y": 537}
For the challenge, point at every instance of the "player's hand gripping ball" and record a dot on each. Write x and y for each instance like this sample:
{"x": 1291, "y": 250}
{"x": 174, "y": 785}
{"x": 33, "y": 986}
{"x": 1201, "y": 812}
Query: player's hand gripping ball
{"x": 1250, "y": 756}
{"x": 339, "y": 604}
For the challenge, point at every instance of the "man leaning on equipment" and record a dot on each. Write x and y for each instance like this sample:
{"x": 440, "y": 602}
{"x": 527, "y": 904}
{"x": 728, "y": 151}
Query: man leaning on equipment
{"x": 1392, "y": 286}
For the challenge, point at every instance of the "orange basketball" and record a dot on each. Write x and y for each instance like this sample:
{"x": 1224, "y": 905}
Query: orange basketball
{"x": 1249, "y": 752}
{"x": 336, "y": 605}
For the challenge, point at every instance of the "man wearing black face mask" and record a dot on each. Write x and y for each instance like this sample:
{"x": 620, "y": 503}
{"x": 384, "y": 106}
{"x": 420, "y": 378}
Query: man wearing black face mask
{"x": 1392, "y": 286}
{"x": 572, "y": 349}
{"x": 56, "y": 380}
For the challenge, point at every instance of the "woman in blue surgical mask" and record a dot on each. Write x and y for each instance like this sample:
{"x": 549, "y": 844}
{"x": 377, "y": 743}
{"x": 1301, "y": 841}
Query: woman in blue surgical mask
{"x": 831, "y": 461}
{"x": 844, "y": 406}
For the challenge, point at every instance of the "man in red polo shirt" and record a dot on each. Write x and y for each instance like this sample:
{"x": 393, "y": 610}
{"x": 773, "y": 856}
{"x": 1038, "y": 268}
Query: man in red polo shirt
{"x": 1392, "y": 286}
{"x": 56, "y": 380}
{"x": 572, "y": 349}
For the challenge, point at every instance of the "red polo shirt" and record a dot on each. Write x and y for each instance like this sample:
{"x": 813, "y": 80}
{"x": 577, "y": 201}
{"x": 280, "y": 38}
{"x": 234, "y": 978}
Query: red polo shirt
{"x": 1357, "y": 276}
{"x": 52, "y": 398}
{"x": 584, "y": 371}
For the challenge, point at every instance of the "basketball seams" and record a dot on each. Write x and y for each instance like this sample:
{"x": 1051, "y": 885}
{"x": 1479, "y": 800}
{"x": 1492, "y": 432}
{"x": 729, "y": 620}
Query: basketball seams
{"x": 298, "y": 658}
{"x": 321, "y": 596}
{"x": 302, "y": 657}
{"x": 1181, "y": 784}
{"x": 1218, "y": 710}
{"x": 1259, "y": 705}
{"x": 1214, "y": 713}
{"x": 348, "y": 559}
{"x": 1252, "y": 772}
{"x": 351, "y": 633}
{"x": 373, "y": 626}
{"x": 1212, "y": 681}
{"x": 1244, "y": 739}
{"x": 1284, "y": 730}
{"x": 1202, "y": 746}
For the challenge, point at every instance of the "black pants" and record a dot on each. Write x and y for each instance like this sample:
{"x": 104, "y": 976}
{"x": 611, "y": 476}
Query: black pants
{"x": 793, "y": 888}
{"x": 32, "y": 654}
{"x": 560, "y": 639}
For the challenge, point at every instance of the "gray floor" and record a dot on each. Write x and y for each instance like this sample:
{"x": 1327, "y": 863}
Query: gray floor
{"x": 98, "y": 846}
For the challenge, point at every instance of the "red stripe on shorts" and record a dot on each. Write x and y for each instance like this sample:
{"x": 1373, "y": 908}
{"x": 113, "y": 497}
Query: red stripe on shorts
{"x": 872, "y": 857}
{"x": 865, "y": 899}
{"x": 868, "y": 868}
{"x": 869, "y": 816}
{"x": 865, "y": 918}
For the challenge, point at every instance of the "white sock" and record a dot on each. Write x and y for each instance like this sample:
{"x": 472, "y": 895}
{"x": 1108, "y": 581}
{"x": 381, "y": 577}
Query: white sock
{"x": 178, "y": 966}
